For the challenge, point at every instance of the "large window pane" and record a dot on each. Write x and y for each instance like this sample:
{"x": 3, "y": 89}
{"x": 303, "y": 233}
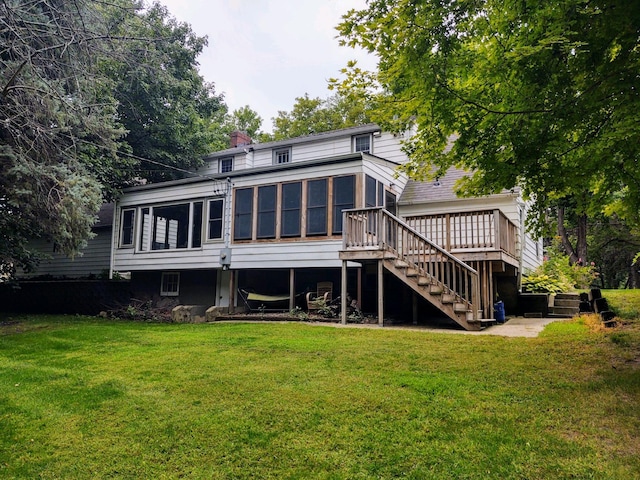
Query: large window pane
{"x": 144, "y": 229}
{"x": 242, "y": 218}
{"x": 370, "y": 191}
{"x": 126, "y": 238}
{"x": 291, "y": 205}
{"x": 343, "y": 199}
{"x": 170, "y": 227}
{"x": 267, "y": 211}
{"x": 317, "y": 207}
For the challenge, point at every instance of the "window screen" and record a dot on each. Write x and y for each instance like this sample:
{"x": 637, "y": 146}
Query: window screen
{"x": 343, "y": 199}
{"x": 242, "y": 218}
{"x": 267, "y": 211}
{"x": 291, "y": 205}
{"x": 215, "y": 219}
{"x": 317, "y": 207}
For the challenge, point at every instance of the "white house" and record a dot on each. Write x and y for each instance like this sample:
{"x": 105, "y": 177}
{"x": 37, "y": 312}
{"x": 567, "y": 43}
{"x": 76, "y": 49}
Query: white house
{"x": 279, "y": 218}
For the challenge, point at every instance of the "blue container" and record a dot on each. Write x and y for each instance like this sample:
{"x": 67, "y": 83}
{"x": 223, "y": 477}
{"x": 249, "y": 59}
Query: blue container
{"x": 498, "y": 311}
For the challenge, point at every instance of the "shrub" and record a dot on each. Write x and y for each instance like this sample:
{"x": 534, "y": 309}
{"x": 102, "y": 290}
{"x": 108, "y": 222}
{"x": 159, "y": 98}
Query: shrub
{"x": 557, "y": 274}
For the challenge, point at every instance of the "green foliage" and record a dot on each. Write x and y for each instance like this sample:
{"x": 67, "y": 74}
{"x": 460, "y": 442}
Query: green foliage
{"x": 93, "y": 398}
{"x": 88, "y": 88}
{"x": 557, "y": 274}
{"x": 163, "y": 102}
{"x": 541, "y": 95}
{"x": 314, "y": 115}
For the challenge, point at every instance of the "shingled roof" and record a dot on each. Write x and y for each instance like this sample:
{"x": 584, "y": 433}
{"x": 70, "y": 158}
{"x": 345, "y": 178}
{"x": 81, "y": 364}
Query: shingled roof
{"x": 440, "y": 190}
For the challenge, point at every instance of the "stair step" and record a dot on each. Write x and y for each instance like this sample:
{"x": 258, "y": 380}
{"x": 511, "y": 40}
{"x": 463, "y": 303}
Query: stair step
{"x": 460, "y": 307}
{"x": 411, "y": 272}
{"x": 400, "y": 264}
{"x": 423, "y": 281}
{"x": 448, "y": 298}
{"x": 435, "y": 290}
{"x": 566, "y": 302}
{"x": 566, "y": 311}
{"x": 567, "y": 296}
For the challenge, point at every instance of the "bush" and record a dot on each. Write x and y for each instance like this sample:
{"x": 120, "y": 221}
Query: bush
{"x": 557, "y": 274}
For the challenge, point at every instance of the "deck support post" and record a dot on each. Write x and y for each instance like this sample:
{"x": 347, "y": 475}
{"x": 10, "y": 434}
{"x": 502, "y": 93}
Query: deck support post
{"x": 359, "y": 288}
{"x": 232, "y": 290}
{"x": 343, "y": 293}
{"x": 414, "y": 298}
{"x": 380, "y": 293}
{"x": 292, "y": 289}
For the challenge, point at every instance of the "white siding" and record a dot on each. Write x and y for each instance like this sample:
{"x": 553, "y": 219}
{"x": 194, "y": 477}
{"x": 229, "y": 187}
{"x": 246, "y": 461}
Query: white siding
{"x": 94, "y": 258}
{"x": 389, "y": 147}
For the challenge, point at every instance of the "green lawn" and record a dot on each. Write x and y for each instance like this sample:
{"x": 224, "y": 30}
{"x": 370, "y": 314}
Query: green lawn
{"x": 87, "y": 398}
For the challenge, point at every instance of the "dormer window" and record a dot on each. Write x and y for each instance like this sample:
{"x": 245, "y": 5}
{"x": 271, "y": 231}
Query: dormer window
{"x": 281, "y": 155}
{"x": 225, "y": 165}
{"x": 362, "y": 143}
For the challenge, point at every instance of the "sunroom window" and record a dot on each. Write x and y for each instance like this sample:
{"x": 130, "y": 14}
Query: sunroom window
{"x": 168, "y": 227}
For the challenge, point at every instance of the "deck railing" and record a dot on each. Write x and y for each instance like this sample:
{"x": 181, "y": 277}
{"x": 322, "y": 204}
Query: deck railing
{"x": 377, "y": 229}
{"x": 479, "y": 230}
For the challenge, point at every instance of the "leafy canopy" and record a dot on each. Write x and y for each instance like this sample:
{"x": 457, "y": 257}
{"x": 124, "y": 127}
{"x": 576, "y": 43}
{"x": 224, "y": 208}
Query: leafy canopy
{"x": 314, "y": 115}
{"x": 86, "y": 89}
{"x": 543, "y": 95}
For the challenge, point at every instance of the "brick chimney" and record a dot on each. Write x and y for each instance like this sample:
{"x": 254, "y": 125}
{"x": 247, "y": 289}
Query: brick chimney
{"x": 239, "y": 139}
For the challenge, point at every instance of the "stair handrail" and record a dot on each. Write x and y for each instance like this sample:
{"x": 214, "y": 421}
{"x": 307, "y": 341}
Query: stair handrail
{"x": 383, "y": 243}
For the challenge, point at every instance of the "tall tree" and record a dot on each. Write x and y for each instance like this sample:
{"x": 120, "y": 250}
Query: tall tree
{"x": 538, "y": 94}
{"x": 163, "y": 102}
{"x": 86, "y": 89}
{"x": 55, "y": 108}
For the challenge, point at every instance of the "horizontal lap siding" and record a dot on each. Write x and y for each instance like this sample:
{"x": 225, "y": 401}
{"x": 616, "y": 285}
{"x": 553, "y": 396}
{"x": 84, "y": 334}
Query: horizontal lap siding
{"x": 305, "y": 152}
{"x": 126, "y": 259}
{"x": 93, "y": 261}
{"x": 388, "y": 146}
{"x": 244, "y": 256}
{"x": 175, "y": 194}
{"x": 291, "y": 255}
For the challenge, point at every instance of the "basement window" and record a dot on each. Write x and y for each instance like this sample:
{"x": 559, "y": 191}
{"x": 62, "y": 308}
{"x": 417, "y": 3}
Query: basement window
{"x": 170, "y": 284}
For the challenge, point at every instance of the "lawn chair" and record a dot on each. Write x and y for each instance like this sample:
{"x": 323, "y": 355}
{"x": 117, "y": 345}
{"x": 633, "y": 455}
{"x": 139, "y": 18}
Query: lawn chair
{"x": 321, "y": 297}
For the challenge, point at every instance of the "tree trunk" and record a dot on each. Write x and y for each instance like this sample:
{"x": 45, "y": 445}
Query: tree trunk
{"x": 564, "y": 238}
{"x": 634, "y": 277}
{"x": 581, "y": 242}
{"x": 579, "y": 254}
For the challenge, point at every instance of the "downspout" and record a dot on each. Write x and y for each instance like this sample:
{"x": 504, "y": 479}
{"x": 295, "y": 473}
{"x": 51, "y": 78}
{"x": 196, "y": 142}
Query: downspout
{"x": 521, "y": 212}
{"x": 114, "y": 237}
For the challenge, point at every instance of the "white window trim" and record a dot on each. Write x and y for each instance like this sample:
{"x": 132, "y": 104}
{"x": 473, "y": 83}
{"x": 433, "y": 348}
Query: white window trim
{"x": 206, "y": 221}
{"x": 139, "y": 219}
{"x": 220, "y": 160}
{"x": 353, "y": 143}
{"x": 277, "y": 151}
{"x": 165, "y": 293}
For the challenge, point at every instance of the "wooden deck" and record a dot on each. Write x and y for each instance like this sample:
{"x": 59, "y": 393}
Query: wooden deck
{"x": 479, "y": 243}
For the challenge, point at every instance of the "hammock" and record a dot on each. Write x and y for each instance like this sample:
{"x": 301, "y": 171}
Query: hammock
{"x": 259, "y": 300}
{"x": 266, "y": 298}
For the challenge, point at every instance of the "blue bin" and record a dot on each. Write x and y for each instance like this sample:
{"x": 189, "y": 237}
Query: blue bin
{"x": 498, "y": 311}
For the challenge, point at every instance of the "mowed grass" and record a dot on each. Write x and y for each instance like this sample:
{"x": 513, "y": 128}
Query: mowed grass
{"x": 87, "y": 398}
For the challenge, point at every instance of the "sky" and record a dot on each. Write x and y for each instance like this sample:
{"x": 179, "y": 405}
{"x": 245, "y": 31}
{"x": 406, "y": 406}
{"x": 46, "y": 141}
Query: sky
{"x": 266, "y": 53}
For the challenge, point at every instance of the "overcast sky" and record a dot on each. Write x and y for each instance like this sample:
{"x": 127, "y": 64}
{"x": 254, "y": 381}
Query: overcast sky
{"x": 265, "y": 53}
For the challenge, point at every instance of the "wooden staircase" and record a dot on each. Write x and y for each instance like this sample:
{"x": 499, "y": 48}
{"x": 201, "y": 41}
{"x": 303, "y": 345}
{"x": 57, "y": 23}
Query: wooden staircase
{"x": 433, "y": 273}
